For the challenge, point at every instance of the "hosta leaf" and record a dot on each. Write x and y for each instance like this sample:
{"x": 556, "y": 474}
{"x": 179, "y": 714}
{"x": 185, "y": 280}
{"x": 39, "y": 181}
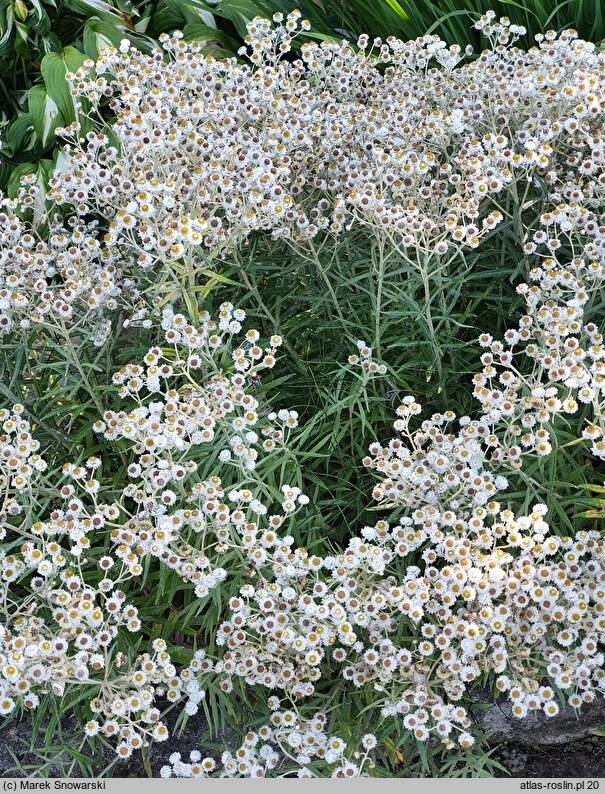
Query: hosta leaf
{"x": 43, "y": 170}
{"x": 15, "y": 178}
{"x": 240, "y": 12}
{"x": 206, "y": 17}
{"x": 44, "y": 113}
{"x": 166, "y": 16}
{"x": 19, "y": 137}
{"x": 237, "y": 11}
{"x": 22, "y": 43}
{"x": 126, "y": 6}
{"x": 41, "y": 205}
{"x": 22, "y": 30}
{"x": 99, "y": 34}
{"x": 21, "y": 10}
{"x": 190, "y": 12}
{"x": 196, "y": 31}
{"x": 50, "y": 43}
{"x": 41, "y": 27}
{"x": 7, "y": 21}
{"x": 99, "y": 8}
{"x": 142, "y": 23}
{"x": 54, "y": 67}
{"x": 62, "y": 160}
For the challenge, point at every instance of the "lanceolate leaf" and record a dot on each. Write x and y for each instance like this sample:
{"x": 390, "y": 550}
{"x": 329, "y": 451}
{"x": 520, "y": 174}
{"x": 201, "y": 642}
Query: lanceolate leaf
{"x": 19, "y": 138}
{"x": 237, "y": 11}
{"x": 22, "y": 43}
{"x": 398, "y": 9}
{"x": 240, "y": 12}
{"x": 7, "y": 20}
{"x": 192, "y": 11}
{"x": 37, "y": 6}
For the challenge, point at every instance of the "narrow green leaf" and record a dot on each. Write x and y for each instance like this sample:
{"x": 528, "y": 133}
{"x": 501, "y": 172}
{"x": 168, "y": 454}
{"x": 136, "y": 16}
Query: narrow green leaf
{"x": 398, "y": 9}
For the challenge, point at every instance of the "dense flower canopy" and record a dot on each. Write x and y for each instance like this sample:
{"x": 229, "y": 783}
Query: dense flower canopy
{"x": 431, "y": 152}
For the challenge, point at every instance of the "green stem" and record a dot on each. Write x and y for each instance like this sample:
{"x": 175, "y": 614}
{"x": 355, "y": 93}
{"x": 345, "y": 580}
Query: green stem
{"x": 316, "y": 260}
{"x": 379, "y": 285}
{"x": 254, "y": 291}
{"x": 76, "y": 361}
{"x": 428, "y": 316}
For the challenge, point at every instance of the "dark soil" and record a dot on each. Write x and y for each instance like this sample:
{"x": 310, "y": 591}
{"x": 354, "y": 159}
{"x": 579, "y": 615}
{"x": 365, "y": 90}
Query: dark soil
{"x": 34, "y": 759}
{"x": 582, "y": 758}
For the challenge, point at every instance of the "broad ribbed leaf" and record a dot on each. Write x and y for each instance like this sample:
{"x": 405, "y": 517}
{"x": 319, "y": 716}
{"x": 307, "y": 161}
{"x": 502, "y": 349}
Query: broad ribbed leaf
{"x": 99, "y": 8}
{"x": 44, "y": 113}
{"x": 196, "y": 31}
{"x": 54, "y": 67}
{"x": 99, "y": 34}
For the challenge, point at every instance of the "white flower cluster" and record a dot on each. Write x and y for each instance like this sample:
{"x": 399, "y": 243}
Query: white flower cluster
{"x": 297, "y": 148}
{"x": 459, "y": 584}
{"x": 364, "y": 359}
{"x": 64, "y": 598}
{"x": 488, "y": 589}
{"x": 196, "y": 414}
{"x": 69, "y": 277}
{"x": 20, "y": 463}
{"x": 205, "y": 151}
{"x": 287, "y": 743}
{"x": 456, "y": 585}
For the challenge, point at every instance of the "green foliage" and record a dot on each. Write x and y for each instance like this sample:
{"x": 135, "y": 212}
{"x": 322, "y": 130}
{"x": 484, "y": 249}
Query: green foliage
{"x": 41, "y": 41}
{"x": 423, "y": 323}
{"x": 449, "y": 18}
